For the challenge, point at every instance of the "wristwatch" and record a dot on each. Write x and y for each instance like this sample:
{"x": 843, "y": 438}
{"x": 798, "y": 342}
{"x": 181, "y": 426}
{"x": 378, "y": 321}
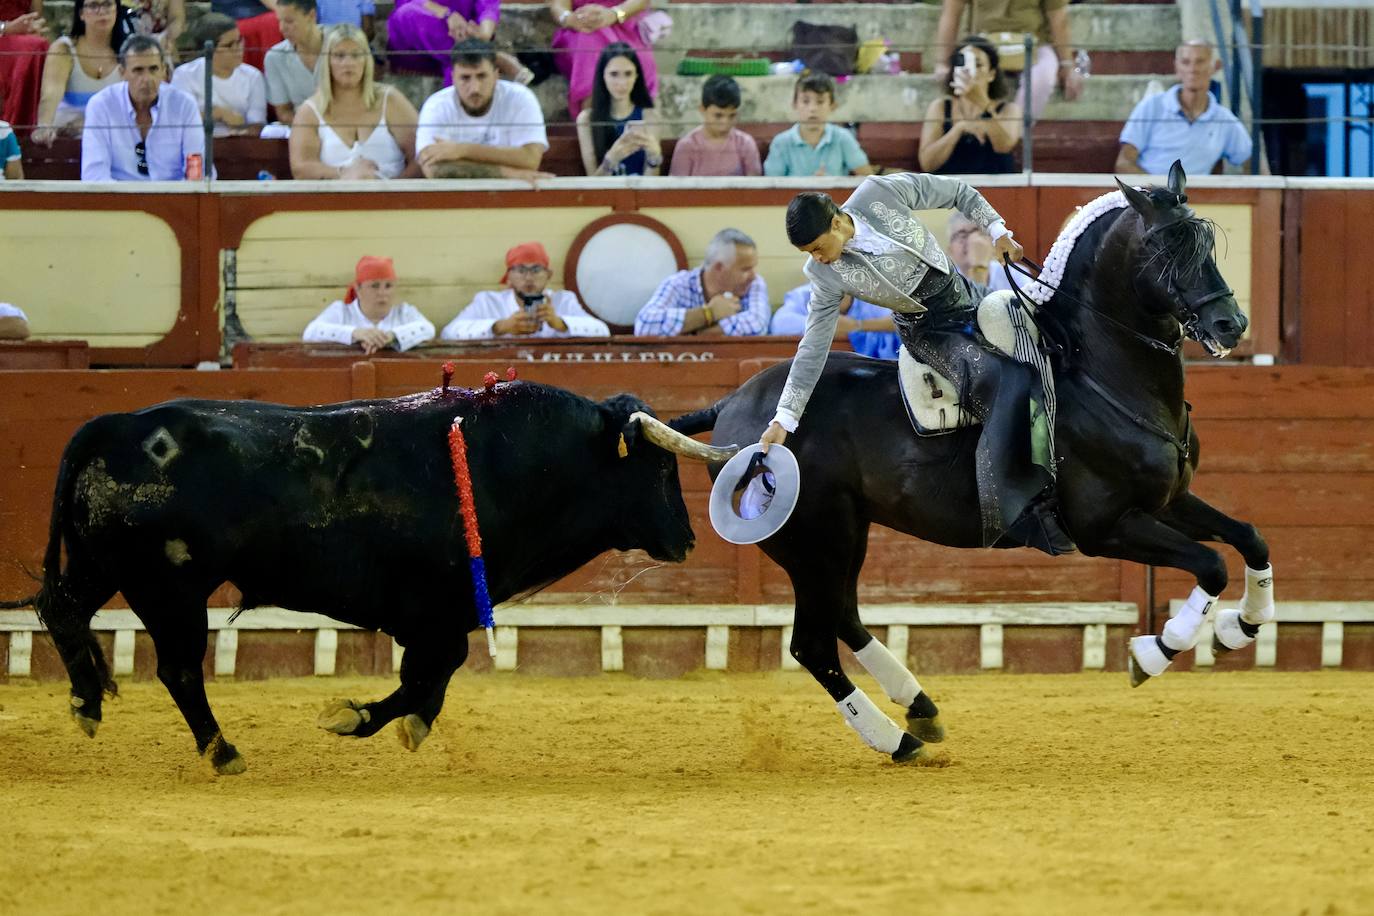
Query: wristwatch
{"x": 619, "y": 14}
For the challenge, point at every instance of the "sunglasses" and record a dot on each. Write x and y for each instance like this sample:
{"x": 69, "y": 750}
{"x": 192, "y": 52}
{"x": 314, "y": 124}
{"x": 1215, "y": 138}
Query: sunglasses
{"x": 141, "y": 151}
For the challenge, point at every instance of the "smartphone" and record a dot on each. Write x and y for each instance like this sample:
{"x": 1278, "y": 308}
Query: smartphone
{"x": 964, "y": 73}
{"x": 531, "y": 301}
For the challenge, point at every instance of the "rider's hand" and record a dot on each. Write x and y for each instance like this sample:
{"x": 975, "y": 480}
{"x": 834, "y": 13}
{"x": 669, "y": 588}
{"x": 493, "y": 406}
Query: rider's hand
{"x": 1008, "y": 250}
{"x": 773, "y": 435}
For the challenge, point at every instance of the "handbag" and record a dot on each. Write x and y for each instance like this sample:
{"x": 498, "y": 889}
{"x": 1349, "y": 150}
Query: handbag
{"x": 825, "y": 48}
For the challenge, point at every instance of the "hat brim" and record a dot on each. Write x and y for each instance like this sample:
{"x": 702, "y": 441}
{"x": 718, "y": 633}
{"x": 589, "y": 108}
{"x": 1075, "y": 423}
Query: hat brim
{"x": 733, "y": 527}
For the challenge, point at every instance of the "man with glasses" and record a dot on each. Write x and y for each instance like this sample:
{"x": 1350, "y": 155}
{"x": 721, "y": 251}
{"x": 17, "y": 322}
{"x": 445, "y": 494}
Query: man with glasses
{"x": 527, "y": 307}
{"x": 140, "y": 129}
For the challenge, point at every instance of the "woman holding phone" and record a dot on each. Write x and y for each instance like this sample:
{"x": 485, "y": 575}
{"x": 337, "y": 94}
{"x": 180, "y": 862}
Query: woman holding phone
{"x": 618, "y": 134}
{"x": 972, "y": 129}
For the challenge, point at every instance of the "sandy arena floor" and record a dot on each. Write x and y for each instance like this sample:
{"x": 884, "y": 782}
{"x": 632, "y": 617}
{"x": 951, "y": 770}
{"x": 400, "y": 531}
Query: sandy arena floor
{"x": 1222, "y": 793}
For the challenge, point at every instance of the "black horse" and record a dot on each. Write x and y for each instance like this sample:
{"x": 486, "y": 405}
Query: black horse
{"x": 1138, "y": 279}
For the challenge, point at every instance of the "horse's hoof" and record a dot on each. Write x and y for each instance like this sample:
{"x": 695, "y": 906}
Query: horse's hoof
{"x": 931, "y": 730}
{"x": 912, "y": 752}
{"x": 342, "y": 717}
{"x": 1146, "y": 659}
{"x": 1138, "y": 676}
{"x": 224, "y": 758}
{"x": 1228, "y": 632}
{"x": 412, "y": 731}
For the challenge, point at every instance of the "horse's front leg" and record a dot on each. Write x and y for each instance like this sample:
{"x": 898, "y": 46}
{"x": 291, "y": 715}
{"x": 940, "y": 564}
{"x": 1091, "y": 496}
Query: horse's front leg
{"x": 426, "y": 668}
{"x": 1145, "y": 539}
{"x": 1234, "y": 629}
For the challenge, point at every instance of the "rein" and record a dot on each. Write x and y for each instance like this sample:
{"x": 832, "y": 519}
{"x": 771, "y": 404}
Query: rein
{"x": 1138, "y": 419}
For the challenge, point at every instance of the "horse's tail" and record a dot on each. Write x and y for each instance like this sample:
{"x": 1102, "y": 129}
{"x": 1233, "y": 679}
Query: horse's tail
{"x": 698, "y": 421}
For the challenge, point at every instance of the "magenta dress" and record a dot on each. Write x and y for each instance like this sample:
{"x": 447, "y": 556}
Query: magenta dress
{"x": 418, "y": 41}
{"x": 577, "y": 52}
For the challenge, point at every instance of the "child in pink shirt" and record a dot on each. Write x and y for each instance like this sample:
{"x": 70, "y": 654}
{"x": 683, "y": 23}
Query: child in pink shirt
{"x": 717, "y": 147}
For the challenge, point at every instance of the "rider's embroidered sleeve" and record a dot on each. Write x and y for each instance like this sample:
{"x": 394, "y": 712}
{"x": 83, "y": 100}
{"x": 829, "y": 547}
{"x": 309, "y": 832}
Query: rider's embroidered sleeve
{"x": 822, "y": 316}
{"x": 922, "y": 191}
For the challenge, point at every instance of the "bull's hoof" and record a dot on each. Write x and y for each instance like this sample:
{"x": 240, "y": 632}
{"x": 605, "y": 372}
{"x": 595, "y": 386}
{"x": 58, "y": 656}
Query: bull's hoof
{"x": 342, "y": 717}
{"x": 412, "y": 731}
{"x": 224, "y": 758}
{"x": 931, "y": 730}
{"x": 912, "y": 752}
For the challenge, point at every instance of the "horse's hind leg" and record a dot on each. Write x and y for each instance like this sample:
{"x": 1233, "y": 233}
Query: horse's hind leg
{"x": 824, "y": 580}
{"x": 1145, "y": 539}
{"x": 178, "y": 626}
{"x": 1234, "y": 629}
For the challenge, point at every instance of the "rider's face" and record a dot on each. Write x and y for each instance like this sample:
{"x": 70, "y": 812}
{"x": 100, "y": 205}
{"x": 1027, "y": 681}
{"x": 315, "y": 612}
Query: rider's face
{"x": 827, "y": 246}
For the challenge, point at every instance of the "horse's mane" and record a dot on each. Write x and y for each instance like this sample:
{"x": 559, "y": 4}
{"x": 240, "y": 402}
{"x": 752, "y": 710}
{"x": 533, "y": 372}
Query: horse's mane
{"x": 1057, "y": 261}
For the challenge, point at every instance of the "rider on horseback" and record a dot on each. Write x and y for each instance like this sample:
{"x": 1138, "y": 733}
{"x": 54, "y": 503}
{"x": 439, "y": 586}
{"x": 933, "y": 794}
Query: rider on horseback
{"x": 876, "y": 250}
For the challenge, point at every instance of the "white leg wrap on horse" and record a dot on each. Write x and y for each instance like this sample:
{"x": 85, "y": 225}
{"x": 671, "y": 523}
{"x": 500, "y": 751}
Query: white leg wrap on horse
{"x": 878, "y": 731}
{"x": 1148, "y": 655}
{"x": 1257, "y": 604}
{"x": 1180, "y": 633}
{"x": 898, "y": 683}
{"x": 1228, "y": 631}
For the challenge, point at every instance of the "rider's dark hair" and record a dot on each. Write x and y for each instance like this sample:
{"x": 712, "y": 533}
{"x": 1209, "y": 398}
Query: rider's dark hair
{"x": 809, "y": 216}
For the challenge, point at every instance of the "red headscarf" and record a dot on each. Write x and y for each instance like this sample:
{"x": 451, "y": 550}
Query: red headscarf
{"x": 525, "y": 253}
{"x": 369, "y": 267}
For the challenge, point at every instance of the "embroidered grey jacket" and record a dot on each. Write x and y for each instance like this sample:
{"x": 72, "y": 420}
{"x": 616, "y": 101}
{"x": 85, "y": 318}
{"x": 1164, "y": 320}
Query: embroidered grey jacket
{"x": 885, "y": 203}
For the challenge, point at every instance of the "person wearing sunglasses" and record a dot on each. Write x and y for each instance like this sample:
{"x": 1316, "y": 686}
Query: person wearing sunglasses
{"x": 140, "y": 129}
{"x": 526, "y": 307}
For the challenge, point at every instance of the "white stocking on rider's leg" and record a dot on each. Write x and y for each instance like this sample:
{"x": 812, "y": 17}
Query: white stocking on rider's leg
{"x": 897, "y": 682}
{"x": 1236, "y": 629}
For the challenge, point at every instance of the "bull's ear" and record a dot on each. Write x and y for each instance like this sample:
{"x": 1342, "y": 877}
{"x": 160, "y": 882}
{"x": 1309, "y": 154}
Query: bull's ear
{"x": 1178, "y": 181}
{"x": 1138, "y": 199}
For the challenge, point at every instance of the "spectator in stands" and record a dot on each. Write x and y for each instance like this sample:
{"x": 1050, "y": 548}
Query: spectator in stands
{"x": 869, "y": 327}
{"x": 361, "y": 14}
{"x": 724, "y": 296}
{"x": 526, "y": 307}
{"x": 239, "y": 101}
{"x": 141, "y": 129}
{"x": 420, "y": 34}
{"x": 78, "y": 66}
{"x": 971, "y": 130}
{"x": 14, "y": 324}
{"x": 482, "y": 127}
{"x": 813, "y": 146}
{"x": 11, "y": 157}
{"x": 293, "y": 64}
{"x": 1183, "y": 122}
{"x": 618, "y": 133}
{"x": 164, "y": 20}
{"x": 971, "y": 251}
{"x": 365, "y": 315}
{"x": 23, "y": 44}
{"x": 585, "y": 27}
{"x": 353, "y": 127}
{"x": 717, "y": 147}
{"x": 257, "y": 22}
{"x": 1005, "y": 22}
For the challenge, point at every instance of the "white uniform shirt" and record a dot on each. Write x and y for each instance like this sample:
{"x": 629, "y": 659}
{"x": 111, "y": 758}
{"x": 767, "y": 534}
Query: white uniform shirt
{"x": 13, "y": 311}
{"x": 243, "y": 91}
{"x": 336, "y": 323}
{"x": 514, "y": 119}
{"x": 490, "y": 306}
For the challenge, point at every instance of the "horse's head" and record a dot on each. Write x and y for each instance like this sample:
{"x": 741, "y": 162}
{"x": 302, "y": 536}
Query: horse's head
{"x": 1176, "y": 268}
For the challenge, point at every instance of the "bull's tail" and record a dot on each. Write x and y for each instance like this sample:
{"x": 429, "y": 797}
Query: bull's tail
{"x": 698, "y": 421}
{"x": 57, "y": 602}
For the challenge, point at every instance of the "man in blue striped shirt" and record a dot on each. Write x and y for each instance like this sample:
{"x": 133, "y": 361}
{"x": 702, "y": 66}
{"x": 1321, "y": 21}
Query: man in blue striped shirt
{"x": 724, "y": 296}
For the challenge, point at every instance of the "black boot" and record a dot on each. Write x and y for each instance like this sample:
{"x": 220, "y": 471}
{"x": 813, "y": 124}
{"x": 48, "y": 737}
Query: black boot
{"x": 1039, "y": 527}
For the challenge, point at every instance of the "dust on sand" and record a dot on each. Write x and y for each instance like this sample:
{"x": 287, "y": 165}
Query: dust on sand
{"x": 1241, "y": 793}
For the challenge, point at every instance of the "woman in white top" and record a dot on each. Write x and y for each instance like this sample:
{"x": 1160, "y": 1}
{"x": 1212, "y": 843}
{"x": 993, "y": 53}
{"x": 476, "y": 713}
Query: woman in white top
{"x": 365, "y": 315}
{"x": 240, "y": 92}
{"x": 370, "y": 131}
{"x": 76, "y": 68}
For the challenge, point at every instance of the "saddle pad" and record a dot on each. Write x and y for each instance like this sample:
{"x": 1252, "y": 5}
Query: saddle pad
{"x": 932, "y": 401}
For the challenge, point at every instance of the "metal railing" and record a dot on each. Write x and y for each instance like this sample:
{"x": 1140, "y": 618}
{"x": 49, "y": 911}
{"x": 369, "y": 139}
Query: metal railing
{"x": 1242, "y": 56}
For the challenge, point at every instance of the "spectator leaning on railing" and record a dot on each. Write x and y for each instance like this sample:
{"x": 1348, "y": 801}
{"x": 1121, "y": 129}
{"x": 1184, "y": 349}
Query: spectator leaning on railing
{"x": 142, "y": 129}
{"x": 527, "y": 307}
{"x": 482, "y": 127}
{"x": 1184, "y": 122}
{"x": 724, "y": 296}
{"x": 239, "y": 103}
{"x": 365, "y": 315}
{"x": 78, "y": 66}
{"x": 353, "y": 127}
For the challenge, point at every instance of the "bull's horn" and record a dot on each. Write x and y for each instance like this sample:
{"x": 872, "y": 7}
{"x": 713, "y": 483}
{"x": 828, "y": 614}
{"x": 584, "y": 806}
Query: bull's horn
{"x": 664, "y": 436}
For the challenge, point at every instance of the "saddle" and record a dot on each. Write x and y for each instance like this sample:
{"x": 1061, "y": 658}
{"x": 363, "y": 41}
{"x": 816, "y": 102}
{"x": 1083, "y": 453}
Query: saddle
{"x": 932, "y": 401}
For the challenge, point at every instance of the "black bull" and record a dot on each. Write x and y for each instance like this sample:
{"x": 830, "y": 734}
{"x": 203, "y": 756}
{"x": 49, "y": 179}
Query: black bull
{"x": 349, "y": 510}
